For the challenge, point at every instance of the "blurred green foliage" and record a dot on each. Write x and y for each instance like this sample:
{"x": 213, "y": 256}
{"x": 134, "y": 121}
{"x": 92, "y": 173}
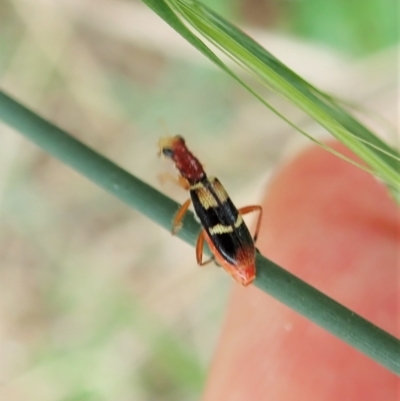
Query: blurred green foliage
{"x": 358, "y": 27}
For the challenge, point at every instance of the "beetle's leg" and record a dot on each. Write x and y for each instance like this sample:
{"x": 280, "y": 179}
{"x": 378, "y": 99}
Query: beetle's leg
{"x": 177, "y": 222}
{"x": 199, "y": 250}
{"x": 183, "y": 182}
{"x": 180, "y": 181}
{"x": 253, "y": 208}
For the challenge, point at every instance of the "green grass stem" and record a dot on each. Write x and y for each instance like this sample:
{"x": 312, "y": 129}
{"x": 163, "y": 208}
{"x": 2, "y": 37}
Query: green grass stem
{"x": 293, "y": 292}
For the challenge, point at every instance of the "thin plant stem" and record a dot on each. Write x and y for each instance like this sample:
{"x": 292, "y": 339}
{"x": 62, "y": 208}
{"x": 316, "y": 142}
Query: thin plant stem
{"x": 293, "y": 292}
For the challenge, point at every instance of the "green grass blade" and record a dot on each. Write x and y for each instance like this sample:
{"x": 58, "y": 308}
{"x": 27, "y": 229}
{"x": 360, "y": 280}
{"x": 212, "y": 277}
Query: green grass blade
{"x": 324, "y": 311}
{"x": 382, "y": 159}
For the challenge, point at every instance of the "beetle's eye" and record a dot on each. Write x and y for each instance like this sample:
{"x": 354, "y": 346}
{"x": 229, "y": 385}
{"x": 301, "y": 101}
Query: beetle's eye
{"x": 168, "y": 152}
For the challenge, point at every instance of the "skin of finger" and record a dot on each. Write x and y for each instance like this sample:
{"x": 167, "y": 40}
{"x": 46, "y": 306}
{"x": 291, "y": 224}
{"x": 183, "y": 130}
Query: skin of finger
{"x": 334, "y": 226}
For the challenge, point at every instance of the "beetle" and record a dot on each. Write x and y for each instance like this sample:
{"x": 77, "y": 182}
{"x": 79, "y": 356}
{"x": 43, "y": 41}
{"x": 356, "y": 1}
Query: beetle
{"x": 224, "y": 229}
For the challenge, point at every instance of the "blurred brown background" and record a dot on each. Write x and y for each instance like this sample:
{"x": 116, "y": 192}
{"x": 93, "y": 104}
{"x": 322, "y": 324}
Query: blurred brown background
{"x": 96, "y": 301}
